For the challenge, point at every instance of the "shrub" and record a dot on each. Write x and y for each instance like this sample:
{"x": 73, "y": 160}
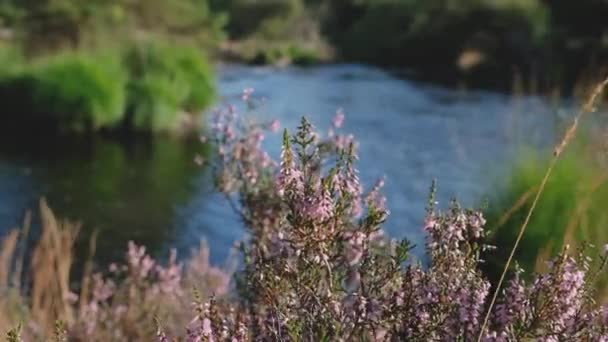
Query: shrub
{"x": 117, "y": 303}
{"x": 281, "y": 53}
{"x": 270, "y": 16}
{"x": 317, "y": 266}
{"x": 303, "y": 56}
{"x": 158, "y": 87}
{"x": 429, "y": 36}
{"x": 164, "y": 80}
{"x": 52, "y": 25}
{"x": 73, "y": 92}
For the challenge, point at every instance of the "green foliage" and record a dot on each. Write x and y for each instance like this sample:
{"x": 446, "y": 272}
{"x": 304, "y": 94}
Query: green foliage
{"x": 269, "y": 18}
{"x": 9, "y": 13}
{"x": 165, "y": 80}
{"x": 73, "y": 92}
{"x": 282, "y": 53}
{"x": 87, "y": 91}
{"x": 53, "y": 24}
{"x": 385, "y": 31}
{"x": 303, "y": 56}
{"x": 149, "y": 87}
{"x": 571, "y": 210}
{"x": 10, "y": 59}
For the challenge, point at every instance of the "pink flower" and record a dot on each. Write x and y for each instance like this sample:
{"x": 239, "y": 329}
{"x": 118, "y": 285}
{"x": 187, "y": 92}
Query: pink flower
{"x": 289, "y": 178}
{"x": 343, "y": 141}
{"x": 375, "y": 199}
{"x": 247, "y": 93}
{"x": 275, "y": 125}
{"x": 338, "y": 119}
{"x": 318, "y": 207}
{"x": 206, "y": 328}
{"x": 355, "y": 247}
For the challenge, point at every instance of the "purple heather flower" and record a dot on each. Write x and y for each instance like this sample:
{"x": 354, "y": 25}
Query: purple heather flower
{"x": 275, "y": 125}
{"x": 515, "y": 303}
{"x": 375, "y": 199}
{"x": 247, "y": 93}
{"x": 338, "y": 120}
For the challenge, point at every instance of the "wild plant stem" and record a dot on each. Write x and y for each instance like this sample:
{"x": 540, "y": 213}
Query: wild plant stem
{"x": 588, "y": 107}
{"x": 519, "y": 237}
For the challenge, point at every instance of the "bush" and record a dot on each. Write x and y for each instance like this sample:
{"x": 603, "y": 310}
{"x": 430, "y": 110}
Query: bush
{"x": 430, "y": 35}
{"x": 72, "y": 92}
{"x": 52, "y": 25}
{"x": 77, "y": 92}
{"x": 571, "y": 210}
{"x": 303, "y": 56}
{"x": 316, "y": 265}
{"x": 164, "y": 80}
{"x": 270, "y": 16}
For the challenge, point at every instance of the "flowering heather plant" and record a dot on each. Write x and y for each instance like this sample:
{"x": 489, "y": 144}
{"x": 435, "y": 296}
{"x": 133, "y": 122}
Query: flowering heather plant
{"x": 123, "y": 304}
{"x": 317, "y": 266}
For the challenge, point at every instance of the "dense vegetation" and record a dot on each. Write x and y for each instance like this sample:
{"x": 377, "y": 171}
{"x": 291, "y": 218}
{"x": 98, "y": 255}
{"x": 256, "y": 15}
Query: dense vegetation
{"x": 315, "y": 266}
{"x": 74, "y": 66}
{"x": 572, "y": 210}
{"x": 143, "y": 86}
{"x": 487, "y": 42}
{"x": 316, "y": 262}
{"x": 164, "y": 80}
{"x": 54, "y": 24}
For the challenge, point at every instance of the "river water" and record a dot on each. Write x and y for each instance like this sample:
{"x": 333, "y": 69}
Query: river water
{"x": 410, "y": 133}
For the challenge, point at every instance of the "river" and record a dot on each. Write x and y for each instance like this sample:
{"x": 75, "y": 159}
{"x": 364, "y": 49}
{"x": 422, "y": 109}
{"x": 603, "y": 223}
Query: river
{"x": 410, "y": 133}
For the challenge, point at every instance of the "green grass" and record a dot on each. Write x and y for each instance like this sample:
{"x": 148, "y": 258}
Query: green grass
{"x": 571, "y": 210}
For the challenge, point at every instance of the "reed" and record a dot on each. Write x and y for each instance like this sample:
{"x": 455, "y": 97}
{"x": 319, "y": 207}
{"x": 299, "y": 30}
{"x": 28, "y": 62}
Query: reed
{"x": 587, "y": 107}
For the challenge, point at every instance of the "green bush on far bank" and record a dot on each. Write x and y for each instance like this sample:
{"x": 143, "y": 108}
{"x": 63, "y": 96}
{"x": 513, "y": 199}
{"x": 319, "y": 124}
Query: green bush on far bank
{"x": 144, "y": 89}
{"x": 67, "y": 92}
{"x": 165, "y": 81}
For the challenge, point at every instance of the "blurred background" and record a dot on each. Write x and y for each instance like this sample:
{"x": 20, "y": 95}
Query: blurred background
{"x": 102, "y": 103}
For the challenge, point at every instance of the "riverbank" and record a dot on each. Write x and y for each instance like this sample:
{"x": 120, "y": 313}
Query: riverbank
{"x": 501, "y": 45}
{"x": 111, "y": 183}
{"x": 509, "y": 44}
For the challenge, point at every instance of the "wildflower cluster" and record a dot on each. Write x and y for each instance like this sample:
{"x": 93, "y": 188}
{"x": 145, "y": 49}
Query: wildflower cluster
{"x": 317, "y": 265}
{"x": 123, "y": 303}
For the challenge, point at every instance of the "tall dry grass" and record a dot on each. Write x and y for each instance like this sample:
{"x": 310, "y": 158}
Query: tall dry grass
{"x": 6, "y": 254}
{"x": 589, "y": 106}
{"x": 51, "y": 263}
{"x": 51, "y": 260}
{"x": 12, "y": 256}
{"x": 119, "y": 303}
